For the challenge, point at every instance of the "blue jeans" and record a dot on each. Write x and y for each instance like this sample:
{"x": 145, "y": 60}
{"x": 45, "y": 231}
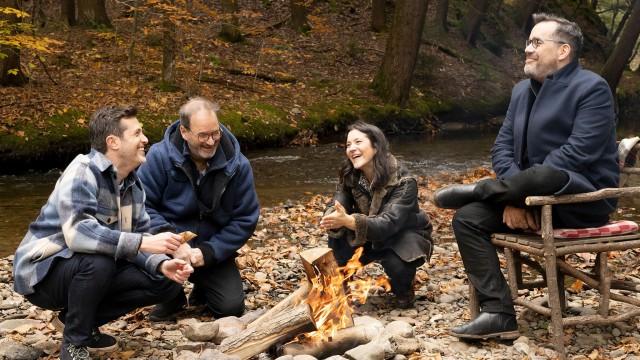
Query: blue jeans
{"x": 91, "y": 290}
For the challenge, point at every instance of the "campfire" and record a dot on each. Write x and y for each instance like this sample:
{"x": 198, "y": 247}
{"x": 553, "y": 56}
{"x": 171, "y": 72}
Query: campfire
{"x": 316, "y": 319}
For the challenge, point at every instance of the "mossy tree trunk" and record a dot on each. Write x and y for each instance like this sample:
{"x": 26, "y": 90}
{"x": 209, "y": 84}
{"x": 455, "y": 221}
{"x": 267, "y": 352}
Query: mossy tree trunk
{"x": 442, "y": 11}
{"x": 10, "y": 71}
{"x": 617, "y": 61}
{"x": 68, "y": 12}
{"x": 378, "y": 17}
{"x": 299, "y": 11}
{"x": 393, "y": 80}
{"x": 93, "y": 12}
{"x": 473, "y": 19}
{"x": 168, "y": 51}
{"x": 230, "y": 30}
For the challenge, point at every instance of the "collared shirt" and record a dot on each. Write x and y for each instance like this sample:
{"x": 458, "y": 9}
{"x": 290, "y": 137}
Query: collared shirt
{"x": 83, "y": 215}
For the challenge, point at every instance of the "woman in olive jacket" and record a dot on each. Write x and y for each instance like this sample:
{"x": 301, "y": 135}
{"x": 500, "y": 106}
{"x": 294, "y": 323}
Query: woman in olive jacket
{"x": 376, "y": 207}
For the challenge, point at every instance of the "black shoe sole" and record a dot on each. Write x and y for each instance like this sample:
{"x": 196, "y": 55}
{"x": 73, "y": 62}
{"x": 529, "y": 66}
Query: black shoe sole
{"x": 504, "y": 335}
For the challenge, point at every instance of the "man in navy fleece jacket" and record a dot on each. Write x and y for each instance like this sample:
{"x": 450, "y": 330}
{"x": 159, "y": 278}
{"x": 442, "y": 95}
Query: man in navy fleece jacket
{"x": 196, "y": 179}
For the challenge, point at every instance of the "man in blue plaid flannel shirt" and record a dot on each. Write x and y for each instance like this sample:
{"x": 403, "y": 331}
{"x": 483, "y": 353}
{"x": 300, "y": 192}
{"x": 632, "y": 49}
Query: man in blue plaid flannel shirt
{"x": 87, "y": 254}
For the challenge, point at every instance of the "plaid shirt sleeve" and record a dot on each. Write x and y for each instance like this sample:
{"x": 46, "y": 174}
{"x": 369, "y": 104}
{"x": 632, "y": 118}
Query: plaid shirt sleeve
{"x": 79, "y": 211}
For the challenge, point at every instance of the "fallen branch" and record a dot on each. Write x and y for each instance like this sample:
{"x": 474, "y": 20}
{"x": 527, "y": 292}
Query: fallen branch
{"x": 254, "y": 74}
{"x": 281, "y": 328}
{"x": 343, "y": 340}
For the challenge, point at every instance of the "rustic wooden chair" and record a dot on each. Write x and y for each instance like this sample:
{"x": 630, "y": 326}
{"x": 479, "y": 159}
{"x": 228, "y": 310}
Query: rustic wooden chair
{"x": 546, "y": 254}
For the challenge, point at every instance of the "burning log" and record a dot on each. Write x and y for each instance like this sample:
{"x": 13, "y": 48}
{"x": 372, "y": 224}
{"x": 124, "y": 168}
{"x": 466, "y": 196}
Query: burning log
{"x": 294, "y": 299}
{"x": 283, "y": 327}
{"x": 343, "y": 340}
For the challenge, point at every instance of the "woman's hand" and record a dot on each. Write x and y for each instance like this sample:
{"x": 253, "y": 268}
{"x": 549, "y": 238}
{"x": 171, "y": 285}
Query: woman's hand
{"x": 338, "y": 219}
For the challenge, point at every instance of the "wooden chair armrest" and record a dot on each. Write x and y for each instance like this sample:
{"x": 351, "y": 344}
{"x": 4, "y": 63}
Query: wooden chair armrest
{"x": 582, "y": 197}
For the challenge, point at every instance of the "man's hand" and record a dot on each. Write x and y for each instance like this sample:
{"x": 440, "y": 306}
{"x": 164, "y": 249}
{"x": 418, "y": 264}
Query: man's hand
{"x": 520, "y": 219}
{"x": 183, "y": 252}
{"x": 176, "y": 270}
{"x": 196, "y": 258}
{"x": 338, "y": 219}
{"x": 162, "y": 243}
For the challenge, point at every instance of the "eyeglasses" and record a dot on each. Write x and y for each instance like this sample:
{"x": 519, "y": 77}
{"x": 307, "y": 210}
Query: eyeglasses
{"x": 204, "y": 136}
{"x": 537, "y": 42}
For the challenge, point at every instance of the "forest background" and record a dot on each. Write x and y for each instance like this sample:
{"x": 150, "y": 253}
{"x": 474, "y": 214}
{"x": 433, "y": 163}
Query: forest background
{"x": 285, "y": 72}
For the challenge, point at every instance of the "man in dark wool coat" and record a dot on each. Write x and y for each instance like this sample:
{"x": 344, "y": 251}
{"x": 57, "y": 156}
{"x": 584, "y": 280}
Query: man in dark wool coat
{"x": 558, "y": 137}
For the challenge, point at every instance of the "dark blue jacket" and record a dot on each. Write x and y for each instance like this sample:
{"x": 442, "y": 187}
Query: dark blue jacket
{"x": 222, "y": 208}
{"x": 572, "y": 128}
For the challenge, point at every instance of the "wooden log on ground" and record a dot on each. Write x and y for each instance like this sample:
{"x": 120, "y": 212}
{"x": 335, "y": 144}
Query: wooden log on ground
{"x": 343, "y": 340}
{"x": 294, "y": 299}
{"x": 281, "y": 328}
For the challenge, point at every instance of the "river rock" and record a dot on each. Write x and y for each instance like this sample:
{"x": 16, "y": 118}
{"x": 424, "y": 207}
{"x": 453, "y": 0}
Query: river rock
{"x": 228, "y": 326}
{"x": 373, "y": 350}
{"x": 304, "y": 357}
{"x": 404, "y": 345}
{"x": 213, "y": 354}
{"x": 11, "y": 350}
{"x": 19, "y": 325}
{"x": 195, "y": 330}
{"x": 398, "y": 328}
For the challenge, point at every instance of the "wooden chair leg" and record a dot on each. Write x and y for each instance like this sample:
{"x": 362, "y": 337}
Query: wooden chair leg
{"x": 551, "y": 269}
{"x": 561, "y": 292}
{"x": 512, "y": 273}
{"x": 474, "y": 304}
{"x": 605, "y": 284}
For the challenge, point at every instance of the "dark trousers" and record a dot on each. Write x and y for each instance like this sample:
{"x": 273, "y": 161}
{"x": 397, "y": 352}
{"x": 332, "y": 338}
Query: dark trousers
{"x": 90, "y": 290}
{"x": 401, "y": 273}
{"x": 474, "y": 223}
{"x": 219, "y": 286}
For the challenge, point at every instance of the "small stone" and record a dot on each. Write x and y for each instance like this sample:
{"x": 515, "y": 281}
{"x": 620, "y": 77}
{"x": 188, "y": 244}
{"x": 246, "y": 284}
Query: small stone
{"x": 615, "y": 332}
{"x": 446, "y": 299}
{"x": 522, "y": 348}
{"x": 260, "y": 276}
{"x": 12, "y": 350}
{"x": 304, "y": 357}
{"x": 398, "y": 328}
{"x": 200, "y": 331}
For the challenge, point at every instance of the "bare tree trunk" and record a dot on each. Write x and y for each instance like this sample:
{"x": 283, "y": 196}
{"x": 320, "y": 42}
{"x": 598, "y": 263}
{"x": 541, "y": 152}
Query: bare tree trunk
{"x": 378, "y": 18}
{"x": 617, "y": 61}
{"x": 623, "y": 21}
{"x": 168, "y": 51}
{"x": 230, "y": 30}
{"x": 473, "y": 20}
{"x": 299, "y": 11}
{"x": 93, "y": 12}
{"x": 442, "y": 11}
{"x": 38, "y": 18}
{"x": 68, "y": 12}
{"x": 134, "y": 35}
{"x": 525, "y": 9}
{"x": 10, "y": 71}
{"x": 393, "y": 80}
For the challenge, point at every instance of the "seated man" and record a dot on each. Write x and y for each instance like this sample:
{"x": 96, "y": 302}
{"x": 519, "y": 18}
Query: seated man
{"x": 85, "y": 253}
{"x": 558, "y": 137}
{"x": 196, "y": 179}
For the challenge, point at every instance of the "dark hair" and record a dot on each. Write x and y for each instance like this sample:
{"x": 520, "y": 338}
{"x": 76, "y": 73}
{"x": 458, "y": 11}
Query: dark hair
{"x": 193, "y": 106}
{"x": 106, "y": 121}
{"x": 381, "y": 161}
{"x": 566, "y": 31}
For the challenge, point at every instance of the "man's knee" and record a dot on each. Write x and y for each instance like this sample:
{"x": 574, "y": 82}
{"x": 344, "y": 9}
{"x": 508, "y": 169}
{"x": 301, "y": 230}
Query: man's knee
{"x": 228, "y": 306}
{"x": 99, "y": 266}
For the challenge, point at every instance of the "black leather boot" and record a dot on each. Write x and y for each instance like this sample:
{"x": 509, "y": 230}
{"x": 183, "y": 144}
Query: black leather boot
{"x": 489, "y": 325}
{"x": 454, "y": 196}
{"x": 167, "y": 311}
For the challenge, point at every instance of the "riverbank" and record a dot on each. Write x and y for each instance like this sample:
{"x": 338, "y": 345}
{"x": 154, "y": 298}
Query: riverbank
{"x": 271, "y": 269}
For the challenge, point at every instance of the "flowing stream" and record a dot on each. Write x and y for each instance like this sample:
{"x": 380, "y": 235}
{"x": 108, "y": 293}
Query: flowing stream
{"x": 281, "y": 175}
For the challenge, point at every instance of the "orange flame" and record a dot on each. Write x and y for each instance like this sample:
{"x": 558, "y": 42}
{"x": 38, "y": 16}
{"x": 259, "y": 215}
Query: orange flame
{"x": 330, "y": 297}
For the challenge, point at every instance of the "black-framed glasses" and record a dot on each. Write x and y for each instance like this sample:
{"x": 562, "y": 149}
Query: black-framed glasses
{"x": 204, "y": 136}
{"x": 535, "y": 42}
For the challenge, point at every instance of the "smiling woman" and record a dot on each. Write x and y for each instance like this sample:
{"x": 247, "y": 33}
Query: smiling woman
{"x": 376, "y": 207}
